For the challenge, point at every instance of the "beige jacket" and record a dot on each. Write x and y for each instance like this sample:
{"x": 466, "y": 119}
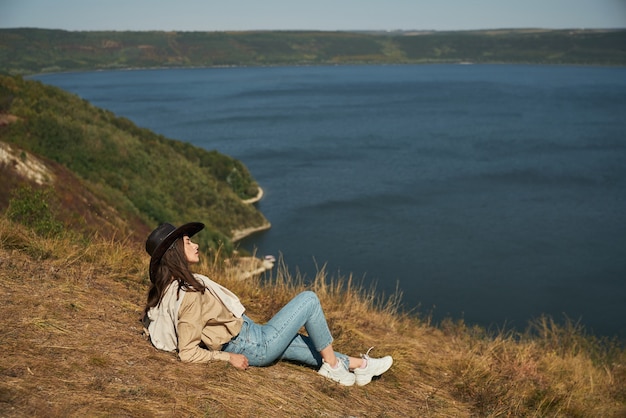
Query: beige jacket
{"x": 197, "y": 324}
{"x": 203, "y": 318}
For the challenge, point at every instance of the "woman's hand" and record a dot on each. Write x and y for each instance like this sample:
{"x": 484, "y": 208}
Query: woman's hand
{"x": 239, "y": 361}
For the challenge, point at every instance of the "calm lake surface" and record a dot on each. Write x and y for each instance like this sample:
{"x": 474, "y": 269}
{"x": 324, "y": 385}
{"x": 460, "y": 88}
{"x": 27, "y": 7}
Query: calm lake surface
{"x": 493, "y": 193}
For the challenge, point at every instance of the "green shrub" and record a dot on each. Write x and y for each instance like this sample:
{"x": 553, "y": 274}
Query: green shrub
{"x": 32, "y": 208}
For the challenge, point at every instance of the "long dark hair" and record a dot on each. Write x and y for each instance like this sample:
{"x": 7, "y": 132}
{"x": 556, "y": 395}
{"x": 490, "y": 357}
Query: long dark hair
{"x": 173, "y": 266}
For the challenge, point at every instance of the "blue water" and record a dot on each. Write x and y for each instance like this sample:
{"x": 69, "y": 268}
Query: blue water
{"x": 493, "y": 193}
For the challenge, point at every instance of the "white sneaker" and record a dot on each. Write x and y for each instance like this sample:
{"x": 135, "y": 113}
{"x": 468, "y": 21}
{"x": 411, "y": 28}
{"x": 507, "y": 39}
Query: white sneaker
{"x": 340, "y": 374}
{"x": 374, "y": 367}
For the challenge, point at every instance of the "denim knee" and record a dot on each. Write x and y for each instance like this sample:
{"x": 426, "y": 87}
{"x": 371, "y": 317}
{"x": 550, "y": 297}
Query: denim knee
{"x": 311, "y": 295}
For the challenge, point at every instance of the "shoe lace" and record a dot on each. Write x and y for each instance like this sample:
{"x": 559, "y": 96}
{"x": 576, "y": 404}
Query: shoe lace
{"x": 367, "y": 355}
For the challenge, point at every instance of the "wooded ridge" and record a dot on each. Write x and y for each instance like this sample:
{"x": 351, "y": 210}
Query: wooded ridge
{"x": 130, "y": 170}
{"x": 28, "y": 51}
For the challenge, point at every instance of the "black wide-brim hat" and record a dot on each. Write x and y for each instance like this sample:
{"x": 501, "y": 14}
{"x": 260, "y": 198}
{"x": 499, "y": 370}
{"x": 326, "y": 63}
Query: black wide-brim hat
{"x": 160, "y": 240}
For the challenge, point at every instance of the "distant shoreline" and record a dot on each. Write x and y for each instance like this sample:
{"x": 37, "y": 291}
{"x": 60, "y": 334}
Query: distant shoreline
{"x": 64, "y": 51}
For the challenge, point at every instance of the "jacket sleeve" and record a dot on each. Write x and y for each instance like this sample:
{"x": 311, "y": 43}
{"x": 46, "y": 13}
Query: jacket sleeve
{"x": 190, "y": 325}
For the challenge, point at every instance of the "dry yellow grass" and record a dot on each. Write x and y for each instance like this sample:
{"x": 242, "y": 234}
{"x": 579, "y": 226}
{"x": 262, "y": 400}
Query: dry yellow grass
{"x": 71, "y": 346}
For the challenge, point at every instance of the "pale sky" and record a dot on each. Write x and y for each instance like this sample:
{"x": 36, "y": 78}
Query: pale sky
{"x": 237, "y": 15}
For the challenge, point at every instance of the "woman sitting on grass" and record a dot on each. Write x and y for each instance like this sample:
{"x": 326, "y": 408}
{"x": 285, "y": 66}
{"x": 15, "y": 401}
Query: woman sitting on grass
{"x": 205, "y": 321}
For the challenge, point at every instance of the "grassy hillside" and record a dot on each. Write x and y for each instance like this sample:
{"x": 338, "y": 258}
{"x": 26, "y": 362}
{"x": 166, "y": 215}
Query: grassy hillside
{"x": 138, "y": 173}
{"x": 27, "y": 51}
{"x": 72, "y": 346}
{"x": 49, "y": 198}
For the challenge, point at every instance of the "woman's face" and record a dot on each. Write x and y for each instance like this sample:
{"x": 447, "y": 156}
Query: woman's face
{"x": 191, "y": 250}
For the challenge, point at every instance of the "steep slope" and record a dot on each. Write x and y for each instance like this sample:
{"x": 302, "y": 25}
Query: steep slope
{"x": 136, "y": 172}
{"x": 66, "y": 195}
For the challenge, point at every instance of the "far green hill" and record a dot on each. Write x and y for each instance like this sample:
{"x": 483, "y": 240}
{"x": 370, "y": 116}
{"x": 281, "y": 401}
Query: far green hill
{"x": 28, "y": 51}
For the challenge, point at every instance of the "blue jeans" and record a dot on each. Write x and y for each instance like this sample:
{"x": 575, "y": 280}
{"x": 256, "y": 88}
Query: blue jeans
{"x": 279, "y": 338}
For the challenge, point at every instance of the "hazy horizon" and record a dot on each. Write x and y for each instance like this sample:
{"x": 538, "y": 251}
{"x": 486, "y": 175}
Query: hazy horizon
{"x": 323, "y": 15}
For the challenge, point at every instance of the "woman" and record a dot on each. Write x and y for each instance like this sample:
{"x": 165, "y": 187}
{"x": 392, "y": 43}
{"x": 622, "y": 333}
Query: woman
{"x": 205, "y": 321}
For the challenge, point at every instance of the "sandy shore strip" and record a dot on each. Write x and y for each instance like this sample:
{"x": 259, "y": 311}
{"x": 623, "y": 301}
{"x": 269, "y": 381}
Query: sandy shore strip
{"x": 256, "y": 198}
{"x": 240, "y": 234}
